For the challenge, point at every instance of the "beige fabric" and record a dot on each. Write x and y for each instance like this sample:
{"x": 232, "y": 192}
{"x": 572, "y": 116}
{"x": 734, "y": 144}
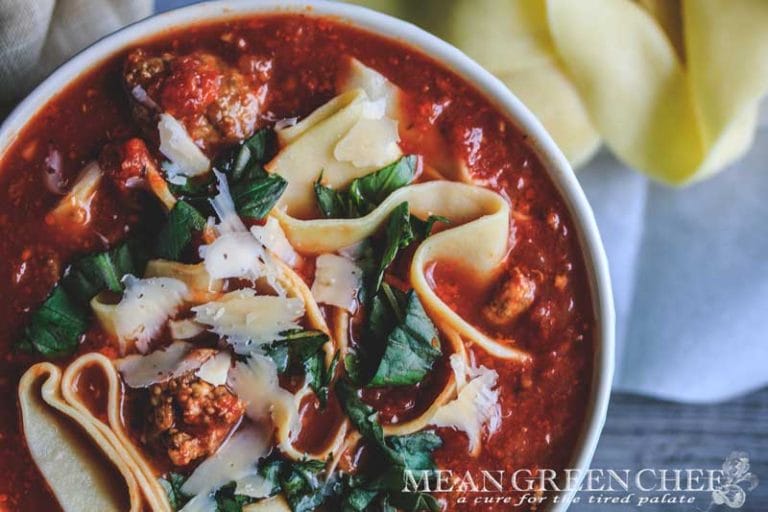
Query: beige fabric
{"x": 37, "y": 35}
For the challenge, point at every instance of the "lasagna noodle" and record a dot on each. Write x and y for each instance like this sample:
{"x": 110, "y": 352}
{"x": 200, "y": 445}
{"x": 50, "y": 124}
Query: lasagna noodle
{"x": 477, "y": 239}
{"x": 308, "y": 150}
{"x": 114, "y": 430}
{"x": 65, "y": 444}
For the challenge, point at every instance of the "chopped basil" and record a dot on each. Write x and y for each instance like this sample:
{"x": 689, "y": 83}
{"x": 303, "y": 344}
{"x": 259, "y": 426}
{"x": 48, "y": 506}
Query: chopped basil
{"x": 253, "y": 189}
{"x": 194, "y": 187}
{"x": 363, "y": 416}
{"x": 255, "y": 197}
{"x": 269, "y": 469}
{"x": 228, "y": 501}
{"x": 55, "y": 328}
{"x": 409, "y": 351}
{"x": 240, "y": 162}
{"x": 398, "y": 235}
{"x": 367, "y": 192}
{"x": 302, "y": 483}
{"x": 384, "y": 483}
{"x": 423, "y": 228}
{"x": 102, "y": 271}
{"x": 303, "y": 350}
{"x": 416, "y": 449}
{"x": 413, "y": 502}
{"x": 332, "y": 204}
{"x": 172, "y": 486}
{"x": 183, "y": 220}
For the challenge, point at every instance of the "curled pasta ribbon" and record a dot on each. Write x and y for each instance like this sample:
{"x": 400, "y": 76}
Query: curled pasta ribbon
{"x": 154, "y": 493}
{"x": 61, "y": 439}
{"x": 477, "y": 239}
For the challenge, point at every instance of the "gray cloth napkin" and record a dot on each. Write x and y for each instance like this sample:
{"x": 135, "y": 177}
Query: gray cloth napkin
{"x": 37, "y": 35}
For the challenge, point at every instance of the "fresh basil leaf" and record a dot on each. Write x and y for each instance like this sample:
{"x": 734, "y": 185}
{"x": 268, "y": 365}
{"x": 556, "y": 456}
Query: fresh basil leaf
{"x": 332, "y": 204}
{"x": 416, "y": 449}
{"x": 172, "y": 486}
{"x": 423, "y": 228}
{"x": 93, "y": 273}
{"x": 382, "y": 489}
{"x": 244, "y": 161}
{"x": 353, "y": 368}
{"x": 363, "y": 416}
{"x": 254, "y": 198}
{"x": 254, "y": 191}
{"x": 183, "y": 220}
{"x": 269, "y": 469}
{"x": 303, "y": 350}
{"x": 369, "y": 191}
{"x": 358, "y": 500}
{"x": 228, "y": 501}
{"x": 203, "y": 186}
{"x": 55, "y": 328}
{"x": 409, "y": 353}
{"x": 303, "y": 486}
{"x": 398, "y": 235}
{"x": 258, "y": 149}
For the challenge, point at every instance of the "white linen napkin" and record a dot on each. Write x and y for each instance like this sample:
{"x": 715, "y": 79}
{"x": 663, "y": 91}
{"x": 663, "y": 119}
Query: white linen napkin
{"x": 37, "y": 35}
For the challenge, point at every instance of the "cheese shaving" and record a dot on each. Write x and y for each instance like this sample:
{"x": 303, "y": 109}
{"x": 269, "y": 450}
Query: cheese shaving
{"x": 214, "y": 371}
{"x": 337, "y": 281}
{"x": 224, "y": 206}
{"x": 236, "y": 459}
{"x": 256, "y": 383}
{"x": 235, "y": 255}
{"x": 476, "y": 405}
{"x": 248, "y": 320}
{"x": 159, "y": 366}
{"x": 369, "y": 143}
{"x": 175, "y": 143}
{"x": 145, "y": 307}
{"x": 272, "y": 236}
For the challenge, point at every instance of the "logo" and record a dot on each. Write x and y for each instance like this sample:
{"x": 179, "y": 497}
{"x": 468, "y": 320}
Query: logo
{"x": 528, "y": 489}
{"x": 737, "y": 481}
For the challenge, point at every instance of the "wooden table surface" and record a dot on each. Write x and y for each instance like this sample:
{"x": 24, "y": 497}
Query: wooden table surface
{"x": 642, "y": 432}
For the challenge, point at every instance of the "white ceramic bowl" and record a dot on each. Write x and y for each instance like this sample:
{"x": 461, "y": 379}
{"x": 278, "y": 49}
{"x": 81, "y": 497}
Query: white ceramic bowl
{"x": 553, "y": 160}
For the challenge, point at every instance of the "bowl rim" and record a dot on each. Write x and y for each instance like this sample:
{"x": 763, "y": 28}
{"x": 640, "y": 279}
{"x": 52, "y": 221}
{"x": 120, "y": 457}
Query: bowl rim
{"x": 554, "y": 162}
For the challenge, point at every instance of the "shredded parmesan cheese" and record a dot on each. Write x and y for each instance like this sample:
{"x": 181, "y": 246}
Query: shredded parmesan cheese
{"x": 159, "y": 366}
{"x": 214, "y": 371}
{"x": 224, "y": 206}
{"x": 337, "y": 281}
{"x": 75, "y": 207}
{"x": 235, "y": 255}
{"x": 272, "y": 236}
{"x": 476, "y": 405}
{"x": 235, "y": 460}
{"x": 175, "y": 143}
{"x": 248, "y": 320}
{"x": 256, "y": 383}
{"x": 369, "y": 143}
{"x": 145, "y": 307}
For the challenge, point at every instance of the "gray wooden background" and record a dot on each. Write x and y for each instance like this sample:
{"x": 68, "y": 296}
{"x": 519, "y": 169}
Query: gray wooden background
{"x": 641, "y": 432}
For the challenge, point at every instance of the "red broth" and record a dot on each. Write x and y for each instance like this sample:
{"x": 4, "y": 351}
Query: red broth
{"x": 543, "y": 402}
